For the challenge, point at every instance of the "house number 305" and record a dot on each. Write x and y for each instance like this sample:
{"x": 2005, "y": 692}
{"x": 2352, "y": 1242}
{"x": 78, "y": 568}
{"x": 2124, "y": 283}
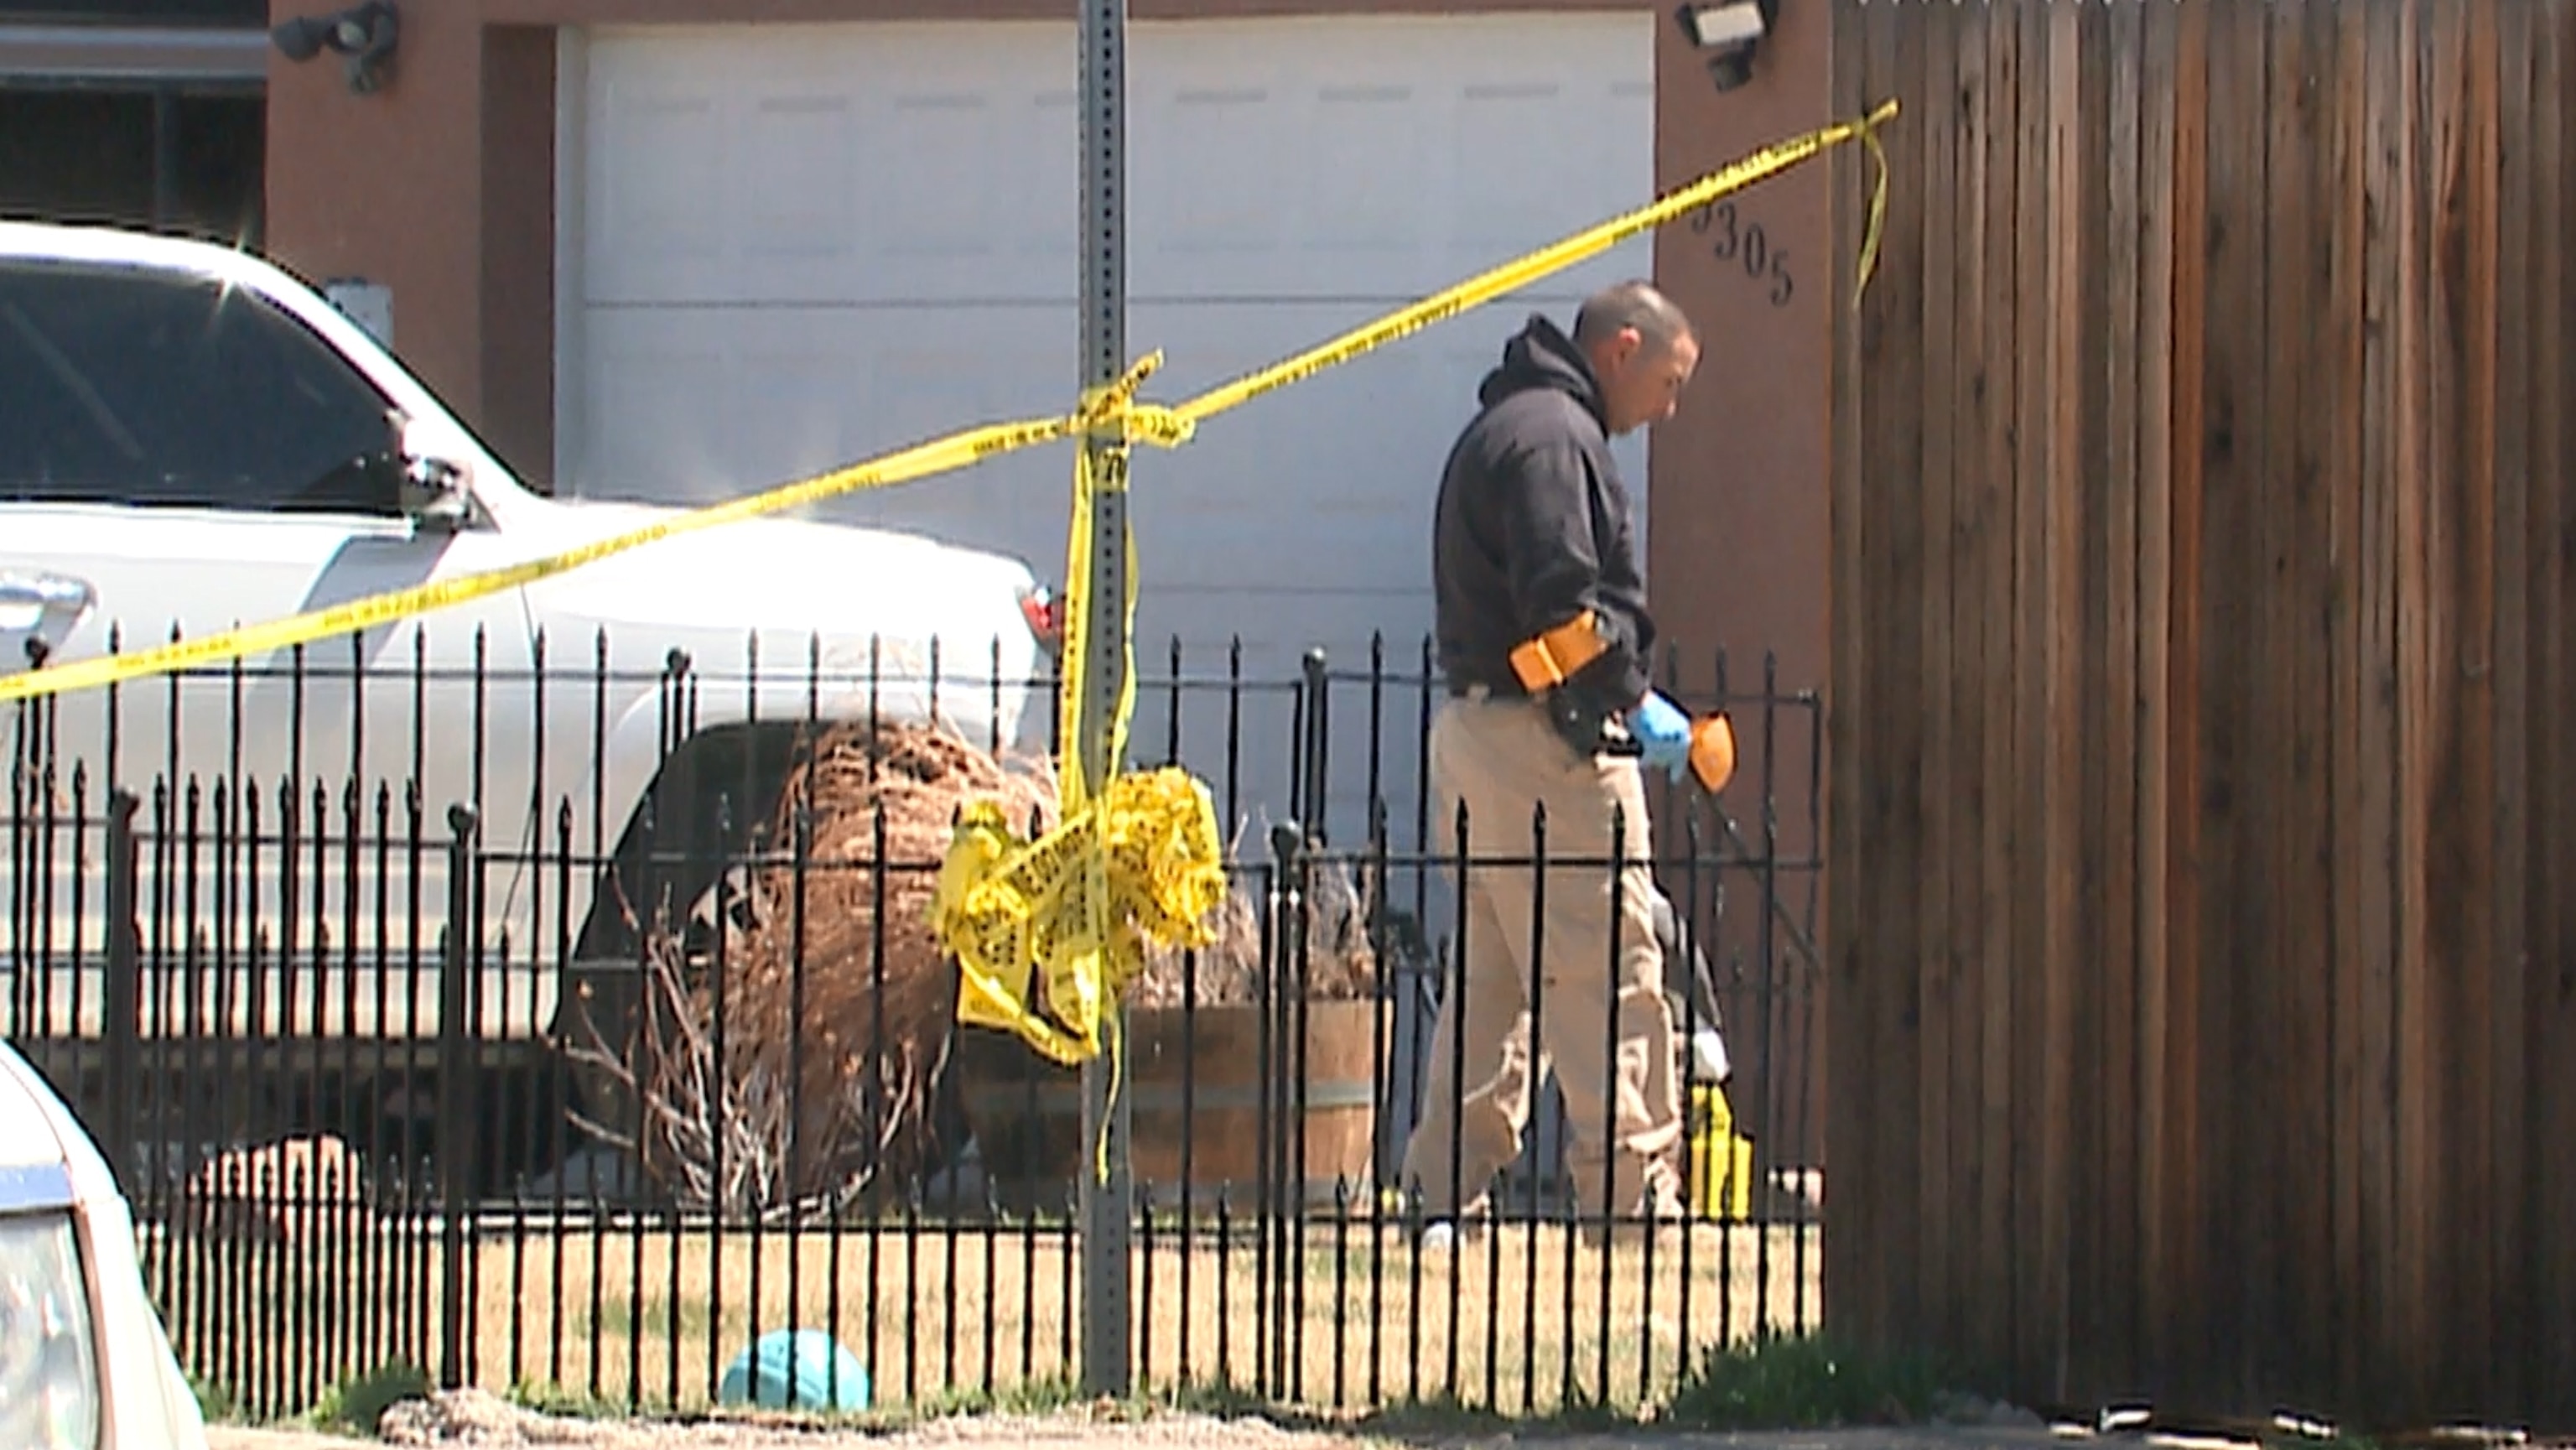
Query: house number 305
{"x": 1744, "y": 243}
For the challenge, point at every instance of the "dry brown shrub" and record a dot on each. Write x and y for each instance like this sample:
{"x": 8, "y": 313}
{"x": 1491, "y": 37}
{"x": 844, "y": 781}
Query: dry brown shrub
{"x": 864, "y": 1031}
{"x": 866, "y": 1024}
{"x": 1340, "y": 961}
{"x": 832, "y": 1031}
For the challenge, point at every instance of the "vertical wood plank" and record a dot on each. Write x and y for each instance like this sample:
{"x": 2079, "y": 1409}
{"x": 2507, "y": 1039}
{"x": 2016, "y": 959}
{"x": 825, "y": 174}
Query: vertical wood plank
{"x": 2099, "y": 678}
{"x": 1973, "y": 491}
{"x": 2347, "y": 772}
{"x": 2551, "y": 1023}
{"x": 2453, "y": 801}
{"x": 2183, "y": 1275}
{"x": 2508, "y": 50}
{"x": 1935, "y": 86}
{"x": 2413, "y": 1247}
{"x": 2024, "y": 1045}
{"x": 2239, "y": 685}
{"x": 2474, "y": 1180}
{"x": 2057, "y": 1100}
{"x": 2290, "y": 1238}
{"x": 2124, "y": 869}
{"x": 2159, "y": 1266}
{"x": 2375, "y": 909}
{"x": 1857, "y": 1099}
{"x": 2459, "y": 802}
{"x": 2329, "y": 456}
{"x": 1896, "y": 451}
{"x": 1991, "y": 1321}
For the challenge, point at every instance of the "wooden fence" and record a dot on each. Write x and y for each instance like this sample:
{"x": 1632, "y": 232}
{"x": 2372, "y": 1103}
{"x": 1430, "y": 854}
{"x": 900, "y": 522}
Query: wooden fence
{"x": 2203, "y": 795}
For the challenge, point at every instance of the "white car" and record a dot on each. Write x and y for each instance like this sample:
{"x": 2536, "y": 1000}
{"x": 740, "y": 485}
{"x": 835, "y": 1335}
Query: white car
{"x": 192, "y": 439}
{"x": 84, "y": 1363}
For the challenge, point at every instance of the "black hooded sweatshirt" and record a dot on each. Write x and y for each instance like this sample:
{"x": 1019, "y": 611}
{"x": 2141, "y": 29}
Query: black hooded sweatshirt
{"x": 1532, "y": 527}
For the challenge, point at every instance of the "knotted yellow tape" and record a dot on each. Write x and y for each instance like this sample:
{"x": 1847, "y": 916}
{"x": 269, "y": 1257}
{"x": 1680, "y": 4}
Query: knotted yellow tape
{"x": 1063, "y": 920}
{"x": 1108, "y": 420}
{"x": 1133, "y": 859}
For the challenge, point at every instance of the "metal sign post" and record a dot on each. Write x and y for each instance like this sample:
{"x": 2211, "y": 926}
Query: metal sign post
{"x": 1105, "y": 1203}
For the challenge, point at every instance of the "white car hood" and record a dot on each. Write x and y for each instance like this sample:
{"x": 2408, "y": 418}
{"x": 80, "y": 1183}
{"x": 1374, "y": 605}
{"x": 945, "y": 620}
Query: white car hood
{"x": 770, "y": 574}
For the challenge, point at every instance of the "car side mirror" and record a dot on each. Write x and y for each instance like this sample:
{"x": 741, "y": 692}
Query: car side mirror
{"x": 434, "y": 494}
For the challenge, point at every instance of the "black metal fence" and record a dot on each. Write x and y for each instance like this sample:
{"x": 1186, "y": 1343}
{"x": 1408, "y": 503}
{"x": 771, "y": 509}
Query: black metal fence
{"x": 511, "y": 1049}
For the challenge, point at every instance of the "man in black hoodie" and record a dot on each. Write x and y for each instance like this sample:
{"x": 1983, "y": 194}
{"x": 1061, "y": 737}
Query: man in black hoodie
{"x": 1546, "y": 643}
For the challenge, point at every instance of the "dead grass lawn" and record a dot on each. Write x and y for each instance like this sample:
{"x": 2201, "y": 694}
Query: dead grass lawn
{"x": 1349, "y": 1317}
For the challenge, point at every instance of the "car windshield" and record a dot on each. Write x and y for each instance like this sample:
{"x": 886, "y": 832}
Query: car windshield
{"x": 144, "y": 387}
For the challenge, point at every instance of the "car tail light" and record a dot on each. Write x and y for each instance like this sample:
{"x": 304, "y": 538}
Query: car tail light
{"x": 1045, "y": 616}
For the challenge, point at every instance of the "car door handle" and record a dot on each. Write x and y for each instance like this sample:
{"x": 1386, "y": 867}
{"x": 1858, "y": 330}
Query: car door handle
{"x": 40, "y": 610}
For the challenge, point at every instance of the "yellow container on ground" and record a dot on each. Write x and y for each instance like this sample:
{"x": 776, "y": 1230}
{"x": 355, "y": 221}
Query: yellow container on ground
{"x": 1721, "y": 1160}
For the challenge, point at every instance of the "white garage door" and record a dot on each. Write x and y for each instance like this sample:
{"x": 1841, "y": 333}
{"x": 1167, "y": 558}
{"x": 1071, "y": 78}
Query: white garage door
{"x": 789, "y": 247}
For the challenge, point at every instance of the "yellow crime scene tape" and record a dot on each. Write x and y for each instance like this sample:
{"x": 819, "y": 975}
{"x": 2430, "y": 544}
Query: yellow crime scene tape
{"x": 1071, "y": 912}
{"x": 1167, "y": 427}
{"x": 939, "y": 455}
{"x": 1134, "y": 859}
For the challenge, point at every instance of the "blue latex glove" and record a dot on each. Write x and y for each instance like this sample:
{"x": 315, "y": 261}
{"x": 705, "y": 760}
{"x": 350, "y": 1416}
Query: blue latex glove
{"x": 1664, "y": 731}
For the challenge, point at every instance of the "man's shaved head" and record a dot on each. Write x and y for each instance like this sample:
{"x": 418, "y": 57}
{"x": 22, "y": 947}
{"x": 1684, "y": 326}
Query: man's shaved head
{"x": 1642, "y": 350}
{"x": 1631, "y": 304}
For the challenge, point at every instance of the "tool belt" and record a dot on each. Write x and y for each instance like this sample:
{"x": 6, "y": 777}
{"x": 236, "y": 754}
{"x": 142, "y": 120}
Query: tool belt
{"x": 1550, "y": 667}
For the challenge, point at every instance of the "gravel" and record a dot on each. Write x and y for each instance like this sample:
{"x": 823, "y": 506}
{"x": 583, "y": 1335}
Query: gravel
{"x": 476, "y": 1418}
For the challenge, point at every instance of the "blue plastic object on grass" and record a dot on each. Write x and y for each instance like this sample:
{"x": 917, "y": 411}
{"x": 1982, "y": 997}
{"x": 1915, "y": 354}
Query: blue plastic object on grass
{"x": 800, "y": 1369}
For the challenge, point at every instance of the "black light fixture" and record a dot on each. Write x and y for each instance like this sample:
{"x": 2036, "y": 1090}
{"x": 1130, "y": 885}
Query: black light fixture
{"x": 1728, "y": 34}
{"x": 366, "y": 33}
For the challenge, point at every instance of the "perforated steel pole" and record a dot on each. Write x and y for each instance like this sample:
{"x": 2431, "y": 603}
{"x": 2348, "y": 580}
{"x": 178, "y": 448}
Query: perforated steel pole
{"x": 1105, "y": 1204}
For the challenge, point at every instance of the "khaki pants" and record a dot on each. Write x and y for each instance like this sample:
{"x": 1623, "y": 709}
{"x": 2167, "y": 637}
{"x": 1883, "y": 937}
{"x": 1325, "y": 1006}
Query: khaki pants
{"x": 1499, "y": 758}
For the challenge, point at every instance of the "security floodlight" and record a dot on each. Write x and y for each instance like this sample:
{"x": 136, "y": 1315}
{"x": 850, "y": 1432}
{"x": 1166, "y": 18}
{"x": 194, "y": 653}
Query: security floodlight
{"x": 365, "y": 33}
{"x": 1728, "y": 34}
{"x": 301, "y": 39}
